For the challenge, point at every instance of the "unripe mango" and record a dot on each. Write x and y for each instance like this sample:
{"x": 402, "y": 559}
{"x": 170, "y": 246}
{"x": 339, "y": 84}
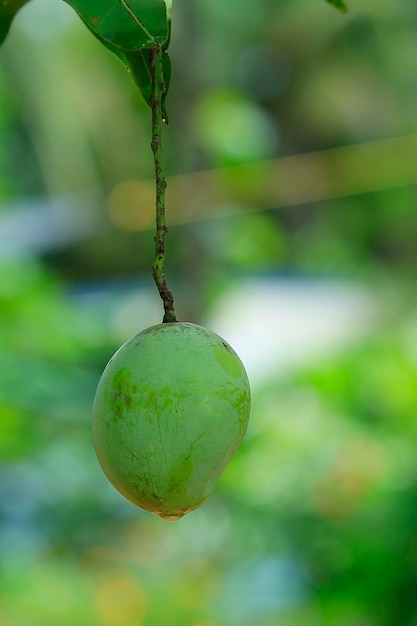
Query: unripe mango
{"x": 171, "y": 409}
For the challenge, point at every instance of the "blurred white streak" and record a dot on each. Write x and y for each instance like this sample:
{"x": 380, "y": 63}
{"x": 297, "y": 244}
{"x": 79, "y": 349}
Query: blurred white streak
{"x": 277, "y": 325}
{"x": 43, "y": 225}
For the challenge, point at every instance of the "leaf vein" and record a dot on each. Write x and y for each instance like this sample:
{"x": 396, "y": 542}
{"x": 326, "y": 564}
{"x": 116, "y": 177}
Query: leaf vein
{"x": 136, "y": 19}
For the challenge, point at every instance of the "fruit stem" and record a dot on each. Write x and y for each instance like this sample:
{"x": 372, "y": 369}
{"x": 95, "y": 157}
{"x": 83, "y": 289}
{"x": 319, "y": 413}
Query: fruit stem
{"x": 158, "y": 265}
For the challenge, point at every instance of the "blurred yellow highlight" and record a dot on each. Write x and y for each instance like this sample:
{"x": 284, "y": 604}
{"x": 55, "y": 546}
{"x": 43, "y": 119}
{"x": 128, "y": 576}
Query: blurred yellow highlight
{"x": 359, "y": 467}
{"x": 131, "y": 205}
{"x": 121, "y": 602}
{"x": 270, "y": 184}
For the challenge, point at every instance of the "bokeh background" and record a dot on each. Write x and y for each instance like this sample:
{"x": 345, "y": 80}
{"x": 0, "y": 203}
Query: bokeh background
{"x": 292, "y": 161}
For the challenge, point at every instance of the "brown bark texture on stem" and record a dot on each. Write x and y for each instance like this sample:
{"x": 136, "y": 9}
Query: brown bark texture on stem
{"x": 158, "y": 266}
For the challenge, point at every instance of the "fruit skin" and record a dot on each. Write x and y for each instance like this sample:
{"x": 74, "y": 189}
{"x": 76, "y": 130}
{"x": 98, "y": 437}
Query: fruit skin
{"x": 171, "y": 409}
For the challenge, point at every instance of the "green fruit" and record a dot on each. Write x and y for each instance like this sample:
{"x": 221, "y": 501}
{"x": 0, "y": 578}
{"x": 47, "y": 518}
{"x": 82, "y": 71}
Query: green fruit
{"x": 170, "y": 411}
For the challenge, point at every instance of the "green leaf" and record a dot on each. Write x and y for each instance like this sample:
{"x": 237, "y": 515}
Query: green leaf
{"x": 338, "y": 4}
{"x": 8, "y": 9}
{"x": 137, "y": 63}
{"x": 127, "y": 24}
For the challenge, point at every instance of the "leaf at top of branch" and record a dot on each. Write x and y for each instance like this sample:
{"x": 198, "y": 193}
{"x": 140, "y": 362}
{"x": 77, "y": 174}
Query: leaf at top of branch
{"x": 138, "y": 64}
{"x": 126, "y": 24}
{"x": 8, "y": 9}
{"x": 338, "y": 4}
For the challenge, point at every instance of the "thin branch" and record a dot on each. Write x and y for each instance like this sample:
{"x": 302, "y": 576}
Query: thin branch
{"x": 158, "y": 266}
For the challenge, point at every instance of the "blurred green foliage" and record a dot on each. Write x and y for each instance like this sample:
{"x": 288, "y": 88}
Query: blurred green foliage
{"x": 314, "y": 522}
